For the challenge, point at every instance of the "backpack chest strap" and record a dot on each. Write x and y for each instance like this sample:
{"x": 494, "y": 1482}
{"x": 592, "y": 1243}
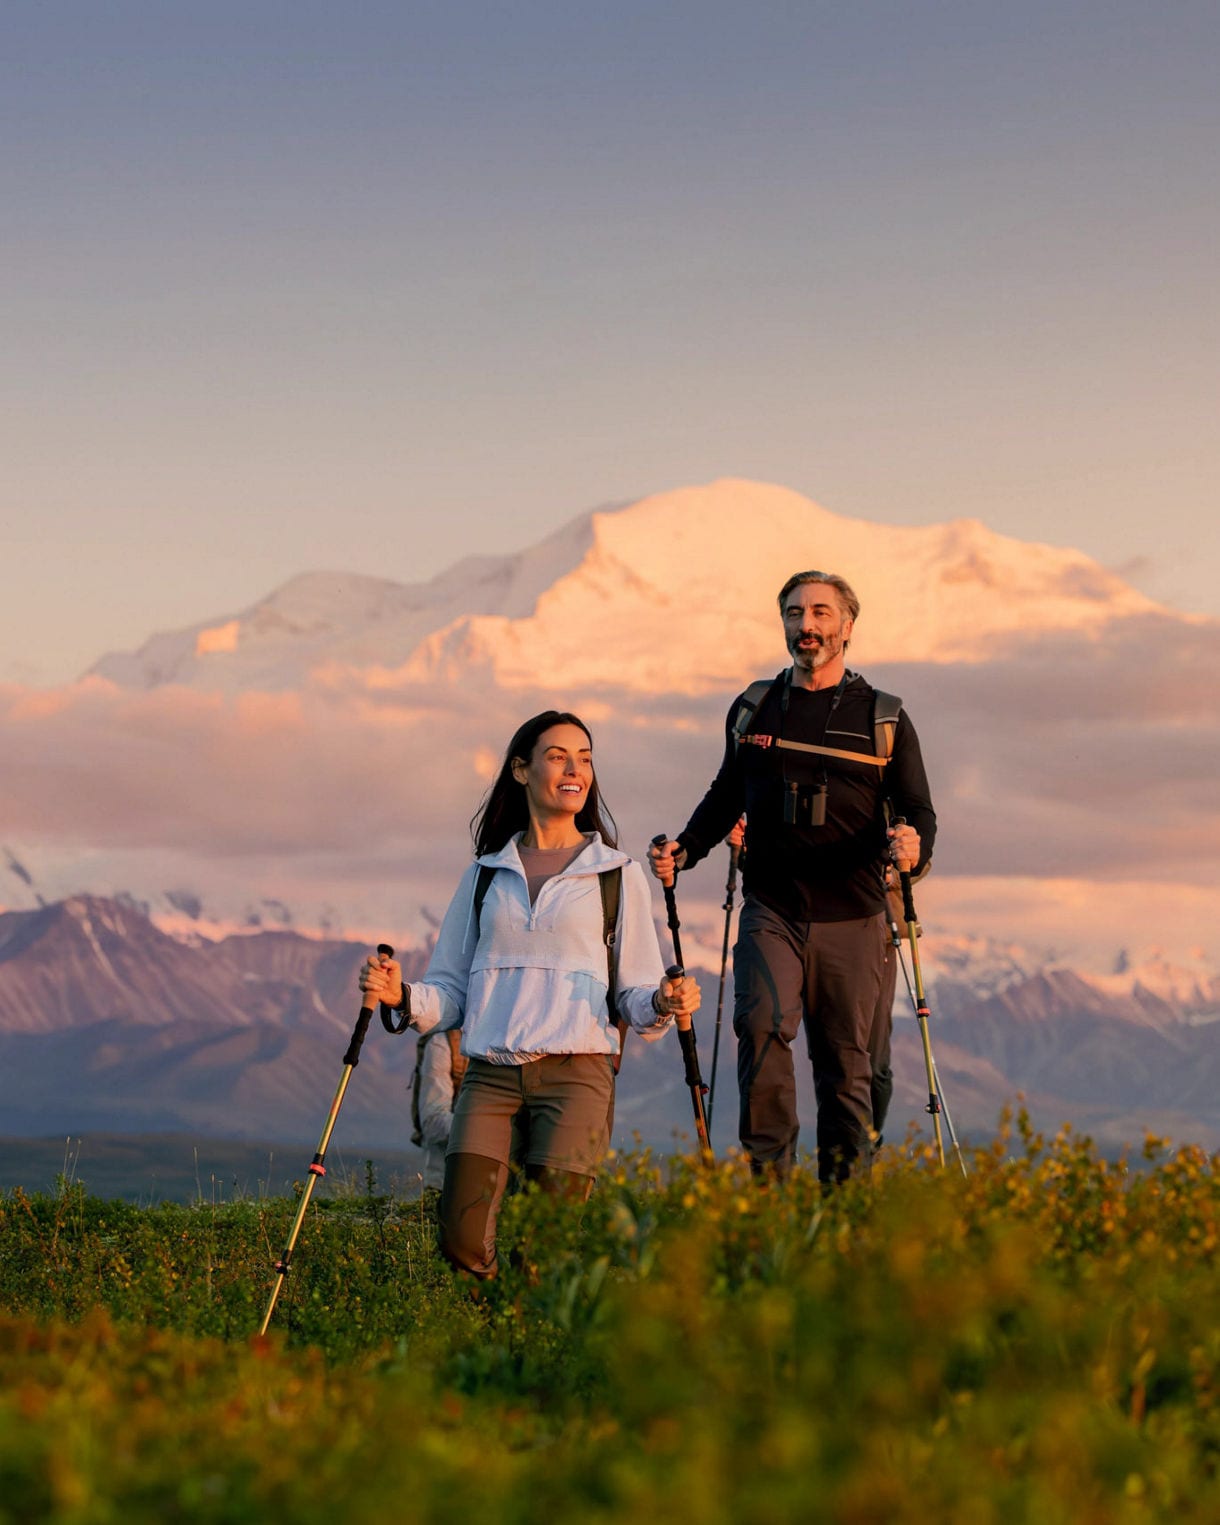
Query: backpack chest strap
{"x": 754, "y": 740}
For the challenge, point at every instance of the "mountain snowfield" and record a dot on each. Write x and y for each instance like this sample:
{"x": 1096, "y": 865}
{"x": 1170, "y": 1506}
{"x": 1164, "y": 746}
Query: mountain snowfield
{"x": 637, "y": 598}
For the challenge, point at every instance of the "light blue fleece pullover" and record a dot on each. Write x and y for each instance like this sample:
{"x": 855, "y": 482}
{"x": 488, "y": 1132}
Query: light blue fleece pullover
{"x": 535, "y": 981}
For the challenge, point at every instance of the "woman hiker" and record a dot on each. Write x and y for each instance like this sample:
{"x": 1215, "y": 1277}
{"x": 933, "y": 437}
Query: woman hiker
{"x": 521, "y": 966}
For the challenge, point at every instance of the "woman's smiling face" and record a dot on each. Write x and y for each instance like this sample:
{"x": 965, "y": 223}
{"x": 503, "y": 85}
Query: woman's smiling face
{"x": 559, "y": 773}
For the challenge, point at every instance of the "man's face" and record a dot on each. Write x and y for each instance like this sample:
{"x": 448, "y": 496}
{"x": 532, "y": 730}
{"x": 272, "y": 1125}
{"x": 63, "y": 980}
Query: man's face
{"x": 815, "y": 627}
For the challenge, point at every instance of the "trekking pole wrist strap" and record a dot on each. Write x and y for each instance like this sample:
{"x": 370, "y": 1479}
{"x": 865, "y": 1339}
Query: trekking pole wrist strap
{"x": 395, "y": 1019}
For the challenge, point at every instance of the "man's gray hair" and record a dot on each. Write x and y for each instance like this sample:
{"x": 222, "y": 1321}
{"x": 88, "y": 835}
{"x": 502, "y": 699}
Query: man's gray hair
{"x": 847, "y": 597}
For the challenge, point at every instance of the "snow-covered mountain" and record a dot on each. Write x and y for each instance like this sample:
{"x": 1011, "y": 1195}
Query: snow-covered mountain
{"x": 1151, "y": 988}
{"x": 187, "y": 914}
{"x": 311, "y": 763}
{"x": 642, "y": 598}
{"x": 320, "y": 621}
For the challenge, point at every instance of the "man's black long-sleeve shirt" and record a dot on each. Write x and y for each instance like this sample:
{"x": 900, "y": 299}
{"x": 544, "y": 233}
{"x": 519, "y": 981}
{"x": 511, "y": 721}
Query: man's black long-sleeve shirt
{"x": 814, "y": 873}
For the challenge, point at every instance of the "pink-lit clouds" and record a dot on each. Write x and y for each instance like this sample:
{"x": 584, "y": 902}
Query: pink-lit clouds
{"x": 1086, "y": 761}
{"x": 320, "y": 753}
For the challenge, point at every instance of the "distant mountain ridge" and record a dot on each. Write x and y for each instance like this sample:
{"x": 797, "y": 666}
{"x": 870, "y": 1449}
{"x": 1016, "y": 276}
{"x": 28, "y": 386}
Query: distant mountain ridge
{"x": 650, "y": 587}
{"x": 114, "y": 1026}
{"x": 1153, "y": 993}
{"x": 89, "y": 959}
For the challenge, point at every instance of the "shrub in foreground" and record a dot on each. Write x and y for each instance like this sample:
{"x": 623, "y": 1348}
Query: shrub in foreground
{"x": 1033, "y": 1343}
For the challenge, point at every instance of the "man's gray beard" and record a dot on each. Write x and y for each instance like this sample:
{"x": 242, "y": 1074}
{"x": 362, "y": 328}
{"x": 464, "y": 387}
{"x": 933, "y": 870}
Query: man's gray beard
{"x": 815, "y": 656}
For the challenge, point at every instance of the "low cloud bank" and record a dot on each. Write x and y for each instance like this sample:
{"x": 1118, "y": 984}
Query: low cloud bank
{"x": 1078, "y": 758}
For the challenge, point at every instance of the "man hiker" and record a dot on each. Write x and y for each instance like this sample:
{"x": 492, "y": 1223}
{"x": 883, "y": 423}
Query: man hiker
{"x": 829, "y": 774}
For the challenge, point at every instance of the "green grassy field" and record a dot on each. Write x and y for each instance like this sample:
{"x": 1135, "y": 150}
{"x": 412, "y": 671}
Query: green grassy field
{"x": 148, "y": 1168}
{"x": 1038, "y": 1342}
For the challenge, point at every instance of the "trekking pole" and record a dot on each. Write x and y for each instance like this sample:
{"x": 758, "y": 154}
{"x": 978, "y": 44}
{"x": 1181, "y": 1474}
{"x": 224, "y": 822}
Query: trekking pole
{"x": 317, "y": 1166}
{"x": 922, "y": 1013}
{"x": 896, "y": 940}
{"x": 729, "y": 891}
{"x": 686, "y": 1035}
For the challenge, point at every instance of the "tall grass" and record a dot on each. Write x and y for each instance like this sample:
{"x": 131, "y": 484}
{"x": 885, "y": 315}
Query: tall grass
{"x": 1037, "y": 1342}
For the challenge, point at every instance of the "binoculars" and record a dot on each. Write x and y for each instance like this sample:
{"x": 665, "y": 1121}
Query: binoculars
{"x": 805, "y": 804}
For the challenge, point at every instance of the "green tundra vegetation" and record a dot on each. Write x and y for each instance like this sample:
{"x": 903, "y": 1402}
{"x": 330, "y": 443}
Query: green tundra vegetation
{"x": 1036, "y": 1342}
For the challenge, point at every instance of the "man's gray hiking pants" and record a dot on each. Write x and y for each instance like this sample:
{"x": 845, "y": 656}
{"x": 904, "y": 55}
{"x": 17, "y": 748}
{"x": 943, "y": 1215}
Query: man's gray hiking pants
{"x": 833, "y": 977}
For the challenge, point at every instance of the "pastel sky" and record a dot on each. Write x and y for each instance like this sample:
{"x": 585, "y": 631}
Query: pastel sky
{"x": 371, "y": 286}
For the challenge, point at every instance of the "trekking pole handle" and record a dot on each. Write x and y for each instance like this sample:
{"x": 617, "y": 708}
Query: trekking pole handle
{"x": 676, "y": 972}
{"x": 904, "y": 880}
{"x": 671, "y": 905}
{"x": 659, "y": 841}
{"x": 367, "y": 1007}
{"x": 896, "y": 821}
{"x": 384, "y": 951}
{"x": 690, "y": 1061}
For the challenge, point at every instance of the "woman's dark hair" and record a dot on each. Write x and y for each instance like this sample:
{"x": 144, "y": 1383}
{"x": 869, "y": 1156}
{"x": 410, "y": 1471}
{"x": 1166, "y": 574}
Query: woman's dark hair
{"x": 505, "y": 808}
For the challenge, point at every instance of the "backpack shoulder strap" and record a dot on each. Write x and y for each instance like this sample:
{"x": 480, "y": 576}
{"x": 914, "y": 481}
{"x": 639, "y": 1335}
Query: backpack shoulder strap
{"x": 886, "y": 710}
{"x": 747, "y": 706}
{"x": 611, "y": 886}
{"x": 482, "y": 884}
